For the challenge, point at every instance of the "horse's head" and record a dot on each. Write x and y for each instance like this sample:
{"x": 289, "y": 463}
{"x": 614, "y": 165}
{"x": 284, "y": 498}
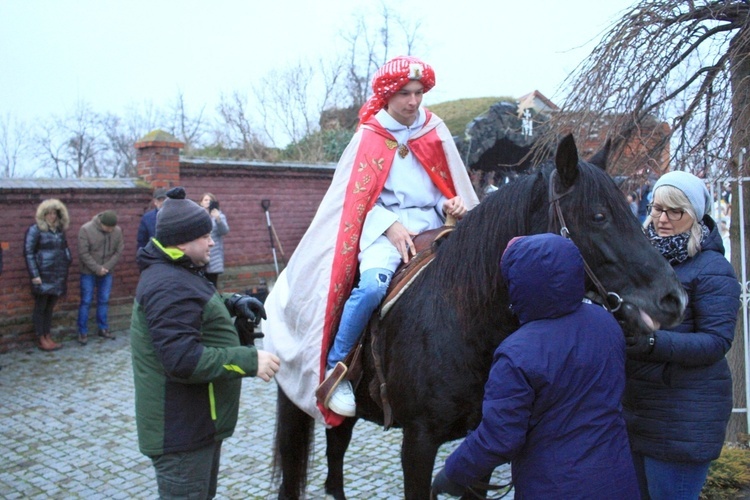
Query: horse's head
{"x": 612, "y": 241}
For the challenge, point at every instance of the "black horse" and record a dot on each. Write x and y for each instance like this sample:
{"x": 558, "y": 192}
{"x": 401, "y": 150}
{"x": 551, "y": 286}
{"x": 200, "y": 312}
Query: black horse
{"x": 437, "y": 341}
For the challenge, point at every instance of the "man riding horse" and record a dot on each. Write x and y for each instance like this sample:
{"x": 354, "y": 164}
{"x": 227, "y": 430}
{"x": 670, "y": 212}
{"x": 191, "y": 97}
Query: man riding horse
{"x": 400, "y": 175}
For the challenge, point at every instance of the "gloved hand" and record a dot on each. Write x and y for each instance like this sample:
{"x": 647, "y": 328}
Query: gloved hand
{"x": 246, "y": 332}
{"x": 640, "y": 344}
{"x": 442, "y": 485}
{"x": 245, "y": 306}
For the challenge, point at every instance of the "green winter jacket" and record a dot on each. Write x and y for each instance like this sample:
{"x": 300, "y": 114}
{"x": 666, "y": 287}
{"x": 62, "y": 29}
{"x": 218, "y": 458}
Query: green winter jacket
{"x": 188, "y": 363}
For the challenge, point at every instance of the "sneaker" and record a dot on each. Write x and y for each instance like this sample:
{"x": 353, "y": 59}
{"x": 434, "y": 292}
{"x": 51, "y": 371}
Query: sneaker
{"x": 342, "y": 400}
{"x": 83, "y": 339}
{"x": 106, "y": 334}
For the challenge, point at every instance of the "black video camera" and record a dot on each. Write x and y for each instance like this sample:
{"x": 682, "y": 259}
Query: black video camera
{"x": 213, "y": 204}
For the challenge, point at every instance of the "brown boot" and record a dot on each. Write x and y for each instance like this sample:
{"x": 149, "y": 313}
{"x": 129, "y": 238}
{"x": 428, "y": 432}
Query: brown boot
{"x": 51, "y": 342}
{"x": 44, "y": 343}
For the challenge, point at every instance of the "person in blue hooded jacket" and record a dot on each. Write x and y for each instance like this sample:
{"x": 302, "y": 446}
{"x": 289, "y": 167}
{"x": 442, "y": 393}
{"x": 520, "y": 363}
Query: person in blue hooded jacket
{"x": 552, "y": 401}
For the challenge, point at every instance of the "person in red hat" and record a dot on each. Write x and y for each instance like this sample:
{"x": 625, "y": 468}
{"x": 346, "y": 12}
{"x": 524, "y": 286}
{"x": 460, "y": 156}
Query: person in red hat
{"x": 400, "y": 175}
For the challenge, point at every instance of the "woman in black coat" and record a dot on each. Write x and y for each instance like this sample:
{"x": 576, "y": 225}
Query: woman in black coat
{"x": 47, "y": 259}
{"x": 678, "y": 395}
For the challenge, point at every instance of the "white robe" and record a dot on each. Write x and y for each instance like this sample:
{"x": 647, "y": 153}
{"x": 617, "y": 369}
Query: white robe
{"x": 296, "y": 306}
{"x": 409, "y": 197}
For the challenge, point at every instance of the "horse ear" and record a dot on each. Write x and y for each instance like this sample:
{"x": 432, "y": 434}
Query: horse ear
{"x": 566, "y": 161}
{"x": 600, "y": 158}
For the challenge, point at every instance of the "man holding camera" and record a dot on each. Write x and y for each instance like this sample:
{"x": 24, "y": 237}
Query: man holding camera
{"x": 188, "y": 363}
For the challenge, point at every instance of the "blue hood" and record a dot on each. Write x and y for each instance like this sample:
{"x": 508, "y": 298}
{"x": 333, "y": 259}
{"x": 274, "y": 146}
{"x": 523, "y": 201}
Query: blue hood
{"x": 545, "y": 276}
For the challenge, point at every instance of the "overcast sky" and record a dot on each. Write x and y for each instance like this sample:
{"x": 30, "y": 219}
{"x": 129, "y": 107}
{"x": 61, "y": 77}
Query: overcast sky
{"x": 112, "y": 54}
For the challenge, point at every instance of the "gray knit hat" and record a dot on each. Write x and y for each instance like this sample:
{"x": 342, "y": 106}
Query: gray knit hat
{"x": 181, "y": 220}
{"x": 692, "y": 187}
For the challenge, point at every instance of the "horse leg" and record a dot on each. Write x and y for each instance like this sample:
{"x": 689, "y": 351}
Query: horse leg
{"x": 337, "y": 442}
{"x": 418, "y": 454}
{"x": 294, "y": 437}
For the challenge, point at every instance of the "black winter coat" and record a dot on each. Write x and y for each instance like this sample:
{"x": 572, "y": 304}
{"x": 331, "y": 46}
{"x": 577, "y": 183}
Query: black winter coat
{"x": 48, "y": 257}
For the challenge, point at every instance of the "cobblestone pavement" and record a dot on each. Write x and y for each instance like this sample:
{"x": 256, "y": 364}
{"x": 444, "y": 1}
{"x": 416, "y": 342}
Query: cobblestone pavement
{"x": 68, "y": 431}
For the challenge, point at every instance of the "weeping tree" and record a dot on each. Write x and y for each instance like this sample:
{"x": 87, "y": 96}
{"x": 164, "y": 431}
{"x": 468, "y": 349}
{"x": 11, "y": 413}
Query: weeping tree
{"x": 682, "y": 63}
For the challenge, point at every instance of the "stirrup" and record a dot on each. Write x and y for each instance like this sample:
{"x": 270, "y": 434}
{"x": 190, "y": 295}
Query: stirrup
{"x": 325, "y": 389}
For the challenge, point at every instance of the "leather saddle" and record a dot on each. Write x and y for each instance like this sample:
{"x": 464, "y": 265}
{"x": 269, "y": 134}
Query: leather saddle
{"x": 425, "y": 244}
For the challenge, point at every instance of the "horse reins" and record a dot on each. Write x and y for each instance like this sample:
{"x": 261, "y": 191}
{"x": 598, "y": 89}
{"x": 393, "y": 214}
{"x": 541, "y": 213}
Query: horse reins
{"x": 556, "y": 215}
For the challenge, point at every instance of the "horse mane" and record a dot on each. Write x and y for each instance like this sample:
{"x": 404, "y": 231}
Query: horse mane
{"x": 469, "y": 261}
{"x": 486, "y": 231}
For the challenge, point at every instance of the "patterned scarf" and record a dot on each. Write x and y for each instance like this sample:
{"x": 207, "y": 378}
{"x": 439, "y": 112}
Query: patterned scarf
{"x": 674, "y": 248}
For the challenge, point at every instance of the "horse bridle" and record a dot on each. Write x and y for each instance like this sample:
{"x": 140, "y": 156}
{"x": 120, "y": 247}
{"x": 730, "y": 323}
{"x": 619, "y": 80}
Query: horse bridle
{"x": 556, "y": 215}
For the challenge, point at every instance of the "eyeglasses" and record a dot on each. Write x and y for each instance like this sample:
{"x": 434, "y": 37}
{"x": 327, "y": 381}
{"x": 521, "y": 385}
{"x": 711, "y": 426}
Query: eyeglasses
{"x": 673, "y": 214}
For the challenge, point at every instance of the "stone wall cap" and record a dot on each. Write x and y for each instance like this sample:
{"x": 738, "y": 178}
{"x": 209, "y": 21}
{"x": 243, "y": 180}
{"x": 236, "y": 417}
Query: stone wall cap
{"x": 219, "y": 162}
{"x": 75, "y": 183}
{"x": 161, "y": 137}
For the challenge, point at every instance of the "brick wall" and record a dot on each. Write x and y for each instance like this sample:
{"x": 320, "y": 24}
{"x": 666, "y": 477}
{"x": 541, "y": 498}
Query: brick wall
{"x": 84, "y": 199}
{"x": 294, "y": 192}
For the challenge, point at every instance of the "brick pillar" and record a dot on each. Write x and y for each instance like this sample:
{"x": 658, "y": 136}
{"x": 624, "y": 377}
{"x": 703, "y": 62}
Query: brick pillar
{"x": 158, "y": 159}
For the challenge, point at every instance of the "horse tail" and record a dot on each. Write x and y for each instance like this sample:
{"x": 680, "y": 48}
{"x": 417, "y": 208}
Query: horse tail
{"x": 293, "y": 444}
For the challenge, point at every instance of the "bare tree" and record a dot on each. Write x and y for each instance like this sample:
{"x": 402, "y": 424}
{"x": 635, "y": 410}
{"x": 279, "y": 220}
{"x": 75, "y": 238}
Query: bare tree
{"x": 288, "y": 104}
{"x": 121, "y": 134}
{"x": 687, "y": 63}
{"x": 291, "y": 101}
{"x": 188, "y": 128}
{"x": 664, "y": 60}
{"x": 72, "y": 146}
{"x": 50, "y": 151}
{"x": 371, "y": 45}
{"x": 237, "y": 130}
{"x": 14, "y": 145}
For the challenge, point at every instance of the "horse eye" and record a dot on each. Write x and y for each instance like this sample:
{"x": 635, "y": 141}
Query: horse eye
{"x": 599, "y": 217}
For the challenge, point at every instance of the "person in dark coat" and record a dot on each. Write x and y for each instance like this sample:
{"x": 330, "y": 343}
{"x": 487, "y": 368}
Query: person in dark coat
{"x": 552, "y": 401}
{"x": 678, "y": 397}
{"x": 188, "y": 363}
{"x": 147, "y": 226}
{"x": 47, "y": 260}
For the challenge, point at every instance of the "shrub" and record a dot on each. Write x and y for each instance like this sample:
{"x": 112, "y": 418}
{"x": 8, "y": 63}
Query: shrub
{"x": 728, "y": 475}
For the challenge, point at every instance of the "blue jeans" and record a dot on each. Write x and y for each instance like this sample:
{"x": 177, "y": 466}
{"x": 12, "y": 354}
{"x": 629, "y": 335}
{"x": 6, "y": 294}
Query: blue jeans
{"x": 103, "y": 285}
{"x": 360, "y": 305}
{"x": 188, "y": 474}
{"x": 660, "y": 480}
